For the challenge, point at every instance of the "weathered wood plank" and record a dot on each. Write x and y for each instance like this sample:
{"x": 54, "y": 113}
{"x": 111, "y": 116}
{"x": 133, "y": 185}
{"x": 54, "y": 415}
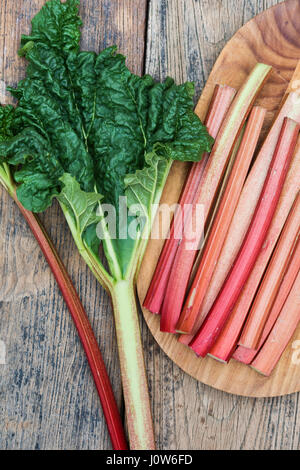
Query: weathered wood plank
{"x": 188, "y": 415}
{"x": 116, "y": 22}
{"x": 47, "y": 396}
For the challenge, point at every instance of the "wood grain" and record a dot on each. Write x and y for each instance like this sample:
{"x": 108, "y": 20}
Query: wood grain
{"x": 47, "y": 395}
{"x": 204, "y": 418}
{"x": 47, "y": 398}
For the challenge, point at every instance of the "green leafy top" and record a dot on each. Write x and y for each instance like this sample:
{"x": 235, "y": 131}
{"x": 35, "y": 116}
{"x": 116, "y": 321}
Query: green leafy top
{"x": 57, "y": 26}
{"x": 6, "y": 118}
{"x": 87, "y": 116}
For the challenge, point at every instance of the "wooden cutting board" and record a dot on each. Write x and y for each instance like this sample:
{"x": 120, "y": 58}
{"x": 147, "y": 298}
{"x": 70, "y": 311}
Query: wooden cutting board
{"x": 272, "y": 37}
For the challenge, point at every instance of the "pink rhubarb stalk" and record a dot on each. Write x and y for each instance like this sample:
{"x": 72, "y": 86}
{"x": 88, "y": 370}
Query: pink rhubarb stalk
{"x": 281, "y": 334}
{"x": 222, "y": 307}
{"x": 220, "y": 103}
{"x": 246, "y": 355}
{"x": 211, "y": 179}
{"x": 245, "y": 210}
{"x": 222, "y": 221}
{"x": 269, "y": 286}
{"x": 226, "y": 342}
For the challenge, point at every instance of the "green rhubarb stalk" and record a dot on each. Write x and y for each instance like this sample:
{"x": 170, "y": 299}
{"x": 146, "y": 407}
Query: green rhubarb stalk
{"x": 121, "y": 287}
{"x": 132, "y": 364}
{"x": 122, "y": 291}
{"x": 88, "y": 132}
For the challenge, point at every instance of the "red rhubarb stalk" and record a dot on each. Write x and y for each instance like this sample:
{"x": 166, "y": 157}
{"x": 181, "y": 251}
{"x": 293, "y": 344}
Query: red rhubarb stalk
{"x": 219, "y": 105}
{"x": 226, "y": 342}
{"x": 186, "y": 338}
{"x": 222, "y": 307}
{"x": 268, "y": 289}
{"x": 216, "y": 205}
{"x": 211, "y": 179}
{"x": 281, "y": 334}
{"x": 246, "y": 355}
{"x": 239, "y": 314}
{"x": 246, "y": 207}
{"x": 83, "y": 326}
{"x": 221, "y": 222}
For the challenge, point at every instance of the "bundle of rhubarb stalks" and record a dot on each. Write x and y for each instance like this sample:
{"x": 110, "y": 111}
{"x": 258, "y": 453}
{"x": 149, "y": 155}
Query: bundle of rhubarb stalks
{"x": 237, "y": 293}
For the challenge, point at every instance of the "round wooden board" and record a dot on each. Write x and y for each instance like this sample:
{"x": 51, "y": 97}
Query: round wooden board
{"x": 273, "y": 38}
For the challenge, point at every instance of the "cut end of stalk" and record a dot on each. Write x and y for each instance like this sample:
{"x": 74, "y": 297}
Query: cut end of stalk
{"x": 264, "y": 374}
{"x": 151, "y": 306}
{"x": 217, "y": 358}
{"x": 244, "y": 355}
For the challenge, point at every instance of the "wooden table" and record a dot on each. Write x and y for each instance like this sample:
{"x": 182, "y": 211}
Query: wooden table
{"x": 47, "y": 396}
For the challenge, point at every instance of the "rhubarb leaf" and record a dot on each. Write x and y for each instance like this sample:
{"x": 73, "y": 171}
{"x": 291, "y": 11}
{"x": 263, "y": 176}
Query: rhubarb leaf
{"x": 56, "y": 25}
{"x": 144, "y": 187}
{"x": 87, "y": 130}
{"x": 80, "y": 204}
{"x": 6, "y": 118}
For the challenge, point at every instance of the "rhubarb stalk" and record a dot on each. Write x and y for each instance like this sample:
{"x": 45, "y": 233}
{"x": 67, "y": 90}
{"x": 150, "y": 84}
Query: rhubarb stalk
{"x": 134, "y": 381}
{"x": 222, "y": 307}
{"x": 245, "y": 210}
{"x": 186, "y": 338}
{"x": 225, "y": 345}
{"x": 135, "y": 391}
{"x": 221, "y": 222}
{"x": 227, "y": 341}
{"x": 220, "y": 103}
{"x": 212, "y": 176}
{"x": 269, "y": 286}
{"x": 79, "y": 316}
{"x": 281, "y": 334}
{"x": 246, "y": 355}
